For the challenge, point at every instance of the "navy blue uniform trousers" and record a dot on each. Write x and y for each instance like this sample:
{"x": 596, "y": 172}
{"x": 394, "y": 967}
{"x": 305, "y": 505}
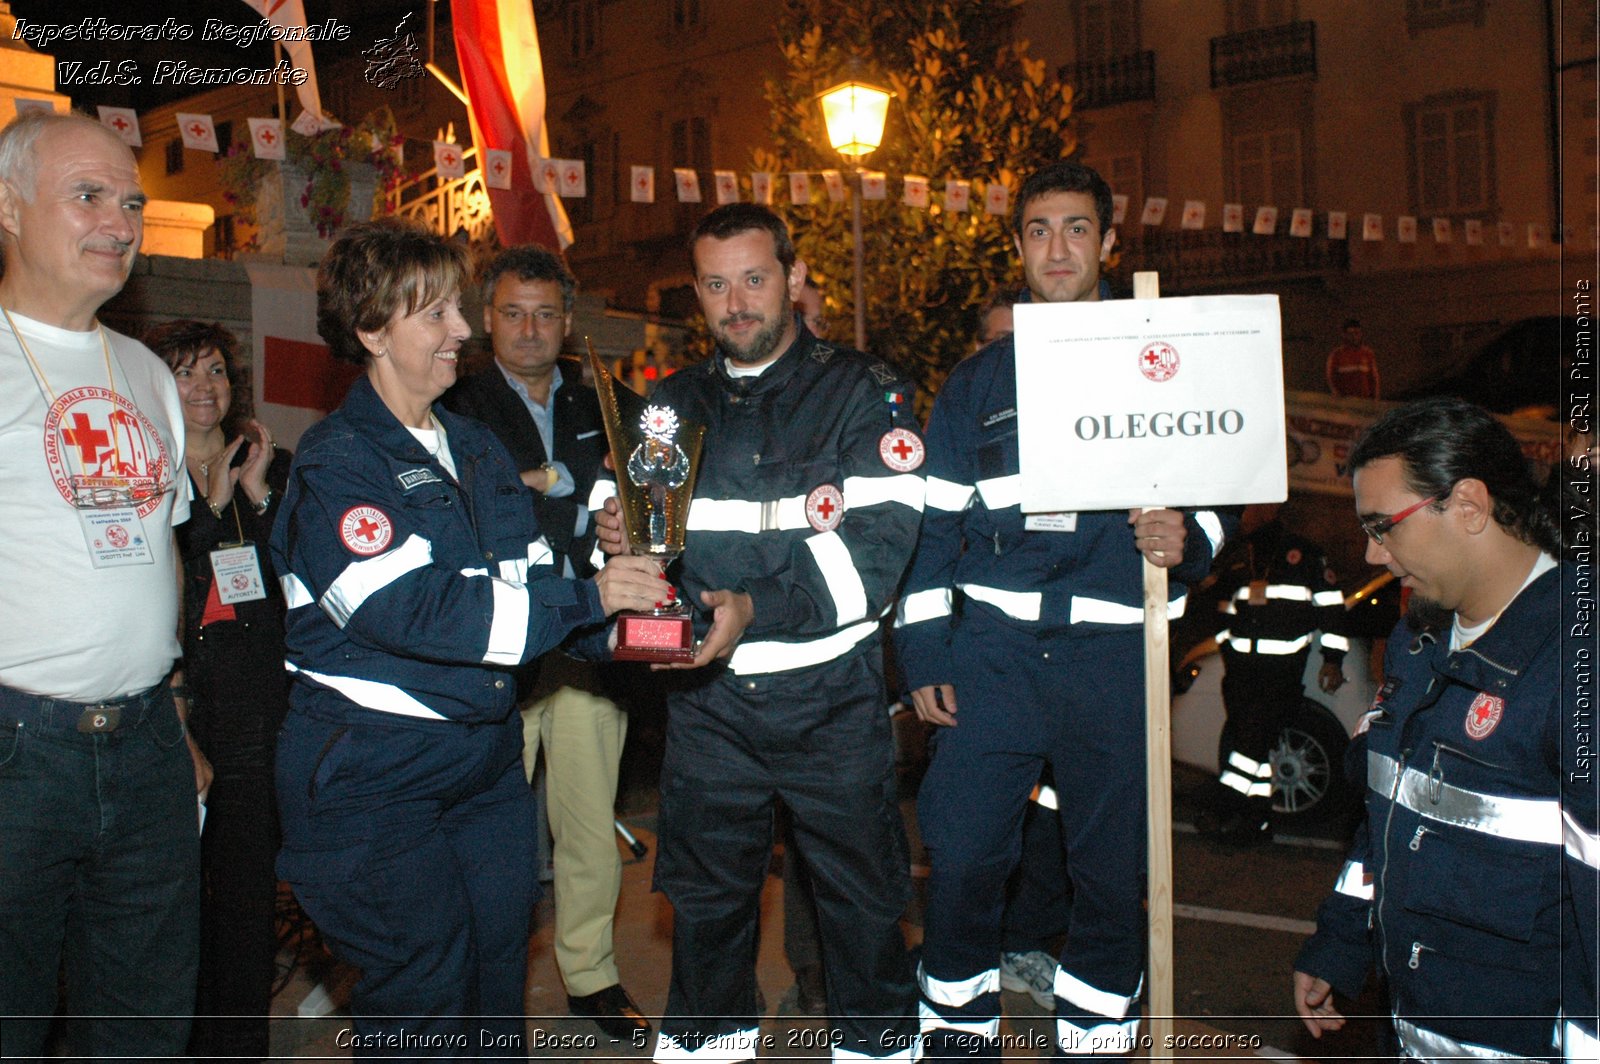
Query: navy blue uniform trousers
{"x": 1075, "y": 702}
{"x": 819, "y": 738}
{"x": 411, "y": 844}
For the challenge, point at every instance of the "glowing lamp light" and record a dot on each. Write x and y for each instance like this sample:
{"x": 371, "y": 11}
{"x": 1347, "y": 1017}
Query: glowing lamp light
{"x": 855, "y": 113}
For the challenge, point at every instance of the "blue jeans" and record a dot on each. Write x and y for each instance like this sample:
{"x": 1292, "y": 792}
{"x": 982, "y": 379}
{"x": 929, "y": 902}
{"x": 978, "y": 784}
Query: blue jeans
{"x": 100, "y": 866}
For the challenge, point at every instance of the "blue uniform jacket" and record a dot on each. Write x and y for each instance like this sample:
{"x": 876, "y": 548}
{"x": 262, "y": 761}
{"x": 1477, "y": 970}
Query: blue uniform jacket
{"x": 808, "y": 497}
{"x": 1472, "y": 882}
{"x": 973, "y": 536}
{"x": 409, "y": 592}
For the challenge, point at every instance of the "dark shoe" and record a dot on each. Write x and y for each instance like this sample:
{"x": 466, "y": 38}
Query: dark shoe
{"x": 811, "y": 992}
{"x": 614, "y": 1012}
{"x": 1245, "y": 830}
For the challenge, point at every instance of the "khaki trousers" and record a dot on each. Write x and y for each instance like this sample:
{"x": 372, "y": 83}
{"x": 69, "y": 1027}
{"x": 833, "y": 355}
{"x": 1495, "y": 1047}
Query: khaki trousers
{"x": 582, "y": 734}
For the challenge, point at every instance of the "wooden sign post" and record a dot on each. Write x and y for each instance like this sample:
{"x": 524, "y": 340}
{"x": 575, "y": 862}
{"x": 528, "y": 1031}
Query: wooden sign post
{"x": 1158, "y": 773}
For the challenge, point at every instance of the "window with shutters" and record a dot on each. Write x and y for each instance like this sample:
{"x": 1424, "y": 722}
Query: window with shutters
{"x": 1452, "y": 153}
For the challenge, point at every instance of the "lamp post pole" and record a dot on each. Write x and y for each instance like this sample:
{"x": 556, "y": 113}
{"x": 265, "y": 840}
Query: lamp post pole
{"x": 860, "y": 260}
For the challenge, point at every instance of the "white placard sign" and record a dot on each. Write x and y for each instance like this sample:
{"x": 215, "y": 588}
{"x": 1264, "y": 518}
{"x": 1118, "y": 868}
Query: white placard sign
{"x": 1159, "y": 402}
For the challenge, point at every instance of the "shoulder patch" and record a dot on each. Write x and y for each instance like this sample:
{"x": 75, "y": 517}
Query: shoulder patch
{"x": 821, "y": 353}
{"x": 881, "y": 373}
{"x": 1484, "y": 715}
{"x": 366, "y": 530}
{"x": 825, "y": 508}
{"x": 901, "y": 450}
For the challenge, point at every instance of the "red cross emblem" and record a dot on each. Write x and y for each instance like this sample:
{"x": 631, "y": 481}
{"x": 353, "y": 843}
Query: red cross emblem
{"x": 366, "y": 530}
{"x": 901, "y": 450}
{"x": 240, "y": 582}
{"x": 1159, "y": 361}
{"x": 644, "y": 182}
{"x": 448, "y": 158}
{"x": 267, "y": 135}
{"x": 572, "y": 177}
{"x": 86, "y": 438}
{"x": 119, "y": 123}
{"x": 825, "y": 508}
{"x": 1483, "y": 715}
{"x": 118, "y": 536}
{"x": 196, "y": 129}
{"x": 499, "y": 166}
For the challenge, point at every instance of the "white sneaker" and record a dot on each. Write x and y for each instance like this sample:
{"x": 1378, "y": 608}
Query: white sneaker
{"x": 1032, "y": 973}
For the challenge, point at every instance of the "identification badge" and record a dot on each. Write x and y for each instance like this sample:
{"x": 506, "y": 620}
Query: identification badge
{"x": 238, "y": 573}
{"x": 1258, "y": 593}
{"x": 115, "y": 537}
{"x": 1060, "y": 521}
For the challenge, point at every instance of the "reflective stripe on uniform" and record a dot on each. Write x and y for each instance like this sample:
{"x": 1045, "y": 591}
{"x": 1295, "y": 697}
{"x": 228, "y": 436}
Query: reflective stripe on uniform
{"x": 923, "y": 606}
{"x": 1328, "y": 598}
{"x": 1334, "y": 642}
{"x": 1578, "y": 1044}
{"x": 728, "y": 1048}
{"x": 1000, "y": 492}
{"x": 1288, "y": 592}
{"x": 1524, "y": 819}
{"x": 839, "y": 574}
{"x": 930, "y": 1020}
{"x": 1353, "y": 881}
{"x": 1422, "y": 1044}
{"x": 295, "y": 593}
{"x": 947, "y": 495}
{"x": 1100, "y": 611}
{"x": 371, "y": 694}
{"x": 508, "y": 625}
{"x": 1261, "y": 770}
{"x": 955, "y": 993}
{"x": 1101, "y": 1039}
{"x": 1023, "y": 605}
{"x": 1581, "y": 844}
{"x": 1075, "y": 991}
{"x": 1211, "y": 525}
{"x": 361, "y": 580}
{"x": 907, "y": 489}
{"x": 1250, "y": 788}
{"x": 1270, "y": 646}
{"x": 773, "y": 656}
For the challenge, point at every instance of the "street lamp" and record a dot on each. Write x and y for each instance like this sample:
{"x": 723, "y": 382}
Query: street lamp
{"x": 855, "y": 112}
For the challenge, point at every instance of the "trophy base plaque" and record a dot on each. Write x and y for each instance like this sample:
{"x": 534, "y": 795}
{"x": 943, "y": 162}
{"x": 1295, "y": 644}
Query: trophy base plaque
{"x": 657, "y": 637}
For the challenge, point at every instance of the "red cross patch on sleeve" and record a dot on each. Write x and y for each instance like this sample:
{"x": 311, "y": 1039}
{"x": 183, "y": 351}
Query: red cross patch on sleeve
{"x": 825, "y": 508}
{"x": 901, "y": 450}
{"x": 366, "y": 530}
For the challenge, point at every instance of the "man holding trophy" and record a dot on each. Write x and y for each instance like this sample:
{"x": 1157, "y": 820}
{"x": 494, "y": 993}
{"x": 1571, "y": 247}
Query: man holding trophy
{"x": 807, "y": 498}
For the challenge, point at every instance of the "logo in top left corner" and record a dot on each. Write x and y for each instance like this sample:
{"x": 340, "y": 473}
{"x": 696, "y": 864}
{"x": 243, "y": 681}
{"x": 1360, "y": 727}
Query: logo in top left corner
{"x": 366, "y": 530}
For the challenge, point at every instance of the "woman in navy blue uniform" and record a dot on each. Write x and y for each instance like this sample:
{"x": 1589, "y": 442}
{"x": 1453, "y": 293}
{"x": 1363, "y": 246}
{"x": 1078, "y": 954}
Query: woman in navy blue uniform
{"x": 416, "y": 579}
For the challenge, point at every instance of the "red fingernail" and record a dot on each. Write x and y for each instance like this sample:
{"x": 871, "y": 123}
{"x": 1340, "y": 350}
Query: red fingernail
{"x": 662, "y": 576}
{"x": 658, "y": 605}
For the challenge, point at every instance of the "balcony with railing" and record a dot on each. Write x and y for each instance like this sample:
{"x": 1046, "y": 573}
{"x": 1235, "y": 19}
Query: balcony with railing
{"x": 1104, "y": 82}
{"x": 1265, "y": 54}
{"x": 1210, "y": 260}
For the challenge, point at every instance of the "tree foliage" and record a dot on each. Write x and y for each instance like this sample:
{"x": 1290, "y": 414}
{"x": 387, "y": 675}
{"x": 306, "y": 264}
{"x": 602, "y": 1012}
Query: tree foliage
{"x": 970, "y": 103}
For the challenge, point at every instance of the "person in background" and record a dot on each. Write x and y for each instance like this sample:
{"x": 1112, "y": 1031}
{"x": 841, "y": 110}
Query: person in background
{"x": 1278, "y": 591}
{"x": 417, "y": 579}
{"x": 99, "y": 852}
{"x": 1352, "y": 368}
{"x": 1472, "y": 882}
{"x": 812, "y": 309}
{"x": 995, "y": 319}
{"x": 233, "y": 661}
{"x": 535, "y": 402}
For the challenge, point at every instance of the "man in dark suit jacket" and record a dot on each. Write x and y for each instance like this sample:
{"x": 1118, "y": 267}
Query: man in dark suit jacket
{"x": 537, "y": 404}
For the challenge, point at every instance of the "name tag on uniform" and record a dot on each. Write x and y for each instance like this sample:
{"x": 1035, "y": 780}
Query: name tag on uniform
{"x": 1060, "y": 521}
{"x": 115, "y": 537}
{"x": 238, "y": 573}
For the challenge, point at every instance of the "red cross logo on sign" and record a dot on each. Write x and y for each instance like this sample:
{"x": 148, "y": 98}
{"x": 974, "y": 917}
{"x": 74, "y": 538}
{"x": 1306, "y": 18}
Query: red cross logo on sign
{"x": 366, "y": 530}
{"x": 119, "y": 123}
{"x": 825, "y": 508}
{"x": 901, "y": 450}
{"x": 448, "y": 158}
{"x": 1159, "y": 361}
{"x": 267, "y": 136}
{"x": 197, "y": 129}
{"x": 1483, "y": 715}
{"x": 499, "y": 166}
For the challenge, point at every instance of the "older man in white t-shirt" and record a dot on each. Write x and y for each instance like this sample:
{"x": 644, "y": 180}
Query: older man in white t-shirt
{"x": 99, "y": 848}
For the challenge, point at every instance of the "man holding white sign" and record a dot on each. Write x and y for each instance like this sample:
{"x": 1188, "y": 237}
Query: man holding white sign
{"x": 1044, "y": 667}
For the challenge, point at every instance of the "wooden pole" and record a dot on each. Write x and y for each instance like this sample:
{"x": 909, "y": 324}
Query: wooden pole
{"x": 1158, "y": 775}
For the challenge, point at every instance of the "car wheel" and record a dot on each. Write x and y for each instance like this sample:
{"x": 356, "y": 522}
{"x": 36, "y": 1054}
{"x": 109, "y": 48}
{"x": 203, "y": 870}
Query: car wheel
{"x": 1308, "y": 780}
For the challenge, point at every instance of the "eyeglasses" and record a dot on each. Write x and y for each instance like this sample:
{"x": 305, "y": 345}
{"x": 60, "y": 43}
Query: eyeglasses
{"x": 1382, "y": 526}
{"x": 111, "y": 496}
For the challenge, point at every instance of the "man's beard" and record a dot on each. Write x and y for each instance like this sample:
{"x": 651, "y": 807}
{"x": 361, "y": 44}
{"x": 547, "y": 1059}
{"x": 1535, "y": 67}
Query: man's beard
{"x": 1424, "y": 614}
{"x": 762, "y": 345}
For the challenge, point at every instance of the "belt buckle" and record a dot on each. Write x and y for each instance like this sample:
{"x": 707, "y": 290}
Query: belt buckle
{"x": 99, "y": 718}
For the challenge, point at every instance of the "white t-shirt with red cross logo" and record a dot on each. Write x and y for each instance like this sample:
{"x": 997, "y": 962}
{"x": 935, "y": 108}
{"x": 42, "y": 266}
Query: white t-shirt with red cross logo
{"x": 69, "y": 629}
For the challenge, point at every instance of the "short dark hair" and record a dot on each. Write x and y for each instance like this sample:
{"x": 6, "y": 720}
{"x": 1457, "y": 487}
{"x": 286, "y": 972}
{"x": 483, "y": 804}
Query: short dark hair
{"x": 1351, "y": 323}
{"x": 1444, "y": 440}
{"x": 731, "y": 219}
{"x": 530, "y": 262}
{"x": 377, "y": 269}
{"x": 1000, "y": 299}
{"x": 1065, "y": 176}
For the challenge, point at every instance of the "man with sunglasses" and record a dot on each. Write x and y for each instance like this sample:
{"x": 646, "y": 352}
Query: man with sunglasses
{"x": 1472, "y": 883}
{"x": 99, "y": 847}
